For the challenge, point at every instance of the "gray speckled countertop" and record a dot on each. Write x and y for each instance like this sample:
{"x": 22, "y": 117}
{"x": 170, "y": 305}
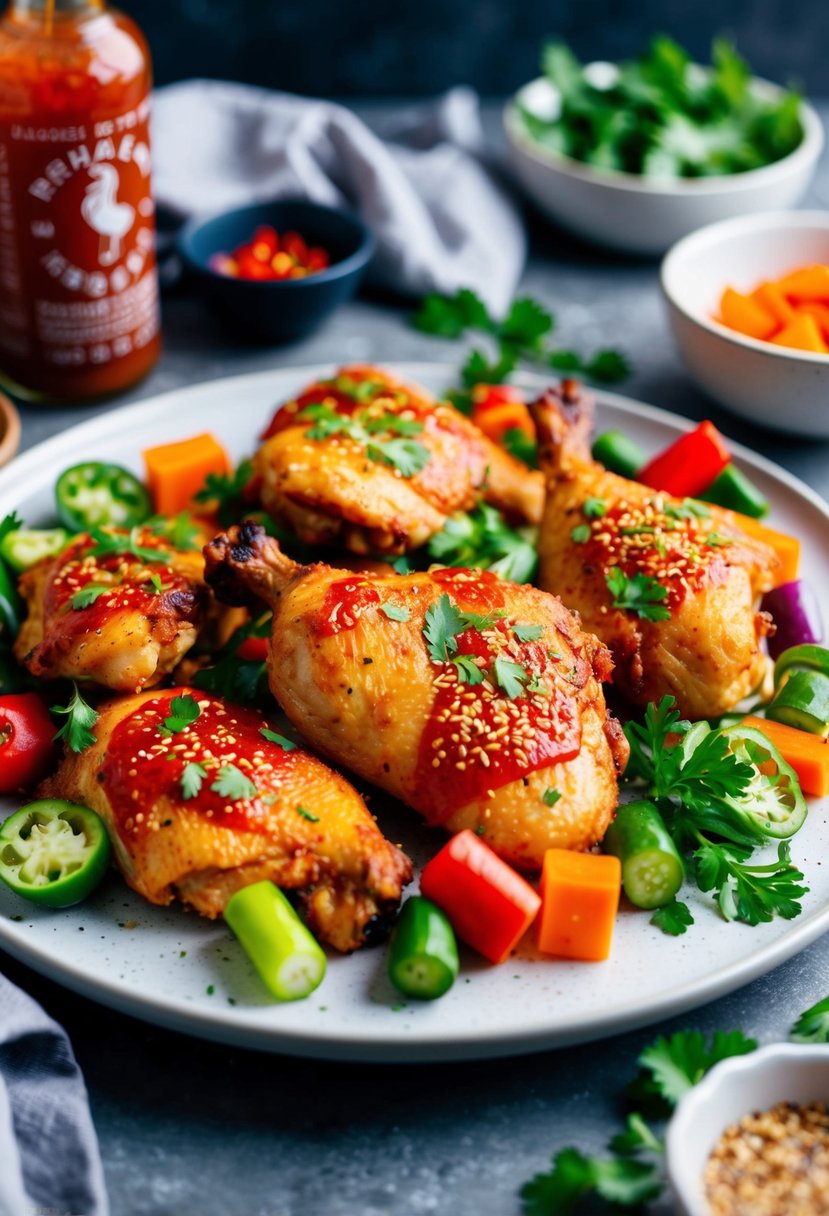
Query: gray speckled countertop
{"x": 188, "y": 1128}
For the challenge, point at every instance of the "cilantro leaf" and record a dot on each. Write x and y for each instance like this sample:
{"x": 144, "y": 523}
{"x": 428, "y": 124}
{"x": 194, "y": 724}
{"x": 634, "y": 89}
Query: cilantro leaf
{"x": 109, "y": 543}
{"x": 227, "y": 492}
{"x": 674, "y": 1065}
{"x": 580, "y": 534}
{"x": 594, "y": 508}
{"x": 550, "y": 796}
{"x": 519, "y": 445}
{"x": 526, "y": 323}
{"x": 813, "y": 1024}
{"x": 640, "y": 594}
{"x": 395, "y": 612}
{"x": 618, "y": 1180}
{"x": 274, "y": 737}
{"x": 636, "y": 1138}
{"x": 608, "y": 367}
{"x": 754, "y": 894}
{"x": 449, "y": 316}
{"x": 184, "y": 711}
{"x": 509, "y": 676}
{"x": 673, "y": 918}
{"x": 406, "y": 455}
{"x": 306, "y": 814}
{"x": 10, "y": 523}
{"x": 468, "y": 670}
{"x": 192, "y": 778}
{"x": 443, "y": 621}
{"x": 528, "y": 633}
{"x": 182, "y": 532}
{"x": 88, "y": 595}
{"x": 482, "y": 539}
{"x": 232, "y": 783}
{"x": 358, "y": 390}
{"x": 80, "y": 718}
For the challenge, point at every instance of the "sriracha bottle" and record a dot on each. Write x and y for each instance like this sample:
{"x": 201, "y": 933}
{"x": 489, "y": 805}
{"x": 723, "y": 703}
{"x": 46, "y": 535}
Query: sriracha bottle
{"x": 79, "y": 314}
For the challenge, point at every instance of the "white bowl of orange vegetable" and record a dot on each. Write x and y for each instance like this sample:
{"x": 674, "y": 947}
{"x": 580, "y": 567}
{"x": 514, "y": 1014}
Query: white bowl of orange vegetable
{"x": 768, "y": 275}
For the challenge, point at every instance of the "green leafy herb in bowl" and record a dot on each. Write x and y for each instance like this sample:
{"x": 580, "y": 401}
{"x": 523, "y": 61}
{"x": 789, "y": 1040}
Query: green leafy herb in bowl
{"x": 635, "y": 155}
{"x": 661, "y": 116}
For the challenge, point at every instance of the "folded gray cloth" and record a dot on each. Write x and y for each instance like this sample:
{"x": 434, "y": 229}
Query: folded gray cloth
{"x": 441, "y": 219}
{"x": 49, "y": 1160}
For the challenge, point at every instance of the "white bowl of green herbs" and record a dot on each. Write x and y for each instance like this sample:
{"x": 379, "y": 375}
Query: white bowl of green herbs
{"x": 636, "y": 155}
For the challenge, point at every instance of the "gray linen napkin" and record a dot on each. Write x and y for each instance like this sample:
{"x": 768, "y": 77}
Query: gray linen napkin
{"x": 441, "y": 219}
{"x": 49, "y": 1160}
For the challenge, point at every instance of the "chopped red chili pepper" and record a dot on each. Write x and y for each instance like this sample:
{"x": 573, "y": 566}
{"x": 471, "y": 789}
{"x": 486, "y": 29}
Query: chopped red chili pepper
{"x": 687, "y": 468}
{"x": 267, "y": 257}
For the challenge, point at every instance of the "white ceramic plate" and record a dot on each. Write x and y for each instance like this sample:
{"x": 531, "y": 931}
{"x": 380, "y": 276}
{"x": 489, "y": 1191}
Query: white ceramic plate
{"x": 170, "y": 967}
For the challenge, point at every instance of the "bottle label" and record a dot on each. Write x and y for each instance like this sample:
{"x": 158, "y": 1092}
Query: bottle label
{"x": 77, "y": 262}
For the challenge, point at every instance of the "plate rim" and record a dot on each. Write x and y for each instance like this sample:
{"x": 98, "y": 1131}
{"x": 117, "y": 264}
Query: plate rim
{"x": 398, "y": 1045}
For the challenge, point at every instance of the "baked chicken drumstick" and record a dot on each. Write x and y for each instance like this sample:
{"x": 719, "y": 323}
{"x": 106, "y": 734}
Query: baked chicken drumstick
{"x": 669, "y": 585}
{"x": 119, "y": 611}
{"x": 211, "y": 805}
{"x": 477, "y": 702}
{"x": 375, "y": 465}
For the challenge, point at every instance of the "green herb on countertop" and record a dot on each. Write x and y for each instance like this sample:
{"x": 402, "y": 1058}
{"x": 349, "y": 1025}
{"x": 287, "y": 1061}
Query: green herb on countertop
{"x": 522, "y": 336}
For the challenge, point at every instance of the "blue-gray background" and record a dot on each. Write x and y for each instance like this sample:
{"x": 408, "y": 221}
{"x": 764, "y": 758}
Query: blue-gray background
{"x": 415, "y": 47}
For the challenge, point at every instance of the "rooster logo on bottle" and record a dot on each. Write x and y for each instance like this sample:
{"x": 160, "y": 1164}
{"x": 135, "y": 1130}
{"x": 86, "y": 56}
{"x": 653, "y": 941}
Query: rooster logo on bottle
{"x": 104, "y": 214}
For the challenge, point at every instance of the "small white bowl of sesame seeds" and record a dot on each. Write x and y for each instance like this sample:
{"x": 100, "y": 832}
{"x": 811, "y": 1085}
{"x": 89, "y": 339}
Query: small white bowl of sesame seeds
{"x": 752, "y": 1139}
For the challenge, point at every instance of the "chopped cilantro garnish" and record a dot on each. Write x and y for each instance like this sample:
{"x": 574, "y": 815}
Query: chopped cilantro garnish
{"x": 227, "y": 492}
{"x": 639, "y": 594}
{"x": 274, "y": 737}
{"x": 510, "y": 676}
{"x": 80, "y": 718}
{"x": 594, "y": 508}
{"x": 673, "y": 918}
{"x": 550, "y": 796}
{"x": 232, "y": 783}
{"x": 184, "y": 711}
{"x": 689, "y": 508}
{"x": 404, "y": 454}
{"x": 468, "y": 670}
{"x": 306, "y": 814}
{"x": 716, "y": 541}
{"x": 88, "y": 595}
{"x": 191, "y": 779}
{"x": 109, "y": 543}
{"x": 482, "y": 539}
{"x": 528, "y": 633}
{"x": 580, "y": 534}
{"x": 395, "y": 612}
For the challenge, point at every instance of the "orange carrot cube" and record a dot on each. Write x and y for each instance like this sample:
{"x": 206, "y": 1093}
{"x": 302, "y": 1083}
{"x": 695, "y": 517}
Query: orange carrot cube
{"x": 177, "y": 471}
{"x": 580, "y": 897}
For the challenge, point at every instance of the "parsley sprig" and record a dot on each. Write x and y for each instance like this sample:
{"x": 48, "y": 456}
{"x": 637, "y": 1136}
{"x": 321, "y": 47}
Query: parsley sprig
{"x": 445, "y": 621}
{"x": 482, "y": 539}
{"x": 401, "y": 452}
{"x": 80, "y": 718}
{"x": 634, "y": 1174}
{"x": 522, "y": 336}
{"x": 638, "y": 593}
{"x": 184, "y": 711}
{"x": 718, "y": 801}
{"x": 128, "y": 544}
{"x": 227, "y": 492}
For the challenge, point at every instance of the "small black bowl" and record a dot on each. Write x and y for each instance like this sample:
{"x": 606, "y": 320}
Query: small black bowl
{"x": 286, "y": 309}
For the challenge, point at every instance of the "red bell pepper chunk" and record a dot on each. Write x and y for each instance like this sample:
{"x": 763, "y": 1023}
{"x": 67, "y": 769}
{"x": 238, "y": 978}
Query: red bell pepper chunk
{"x": 490, "y": 906}
{"x": 253, "y": 650}
{"x": 27, "y": 747}
{"x": 687, "y": 468}
{"x": 488, "y": 396}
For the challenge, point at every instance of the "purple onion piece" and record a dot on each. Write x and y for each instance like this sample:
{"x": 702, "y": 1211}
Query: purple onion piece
{"x": 796, "y": 612}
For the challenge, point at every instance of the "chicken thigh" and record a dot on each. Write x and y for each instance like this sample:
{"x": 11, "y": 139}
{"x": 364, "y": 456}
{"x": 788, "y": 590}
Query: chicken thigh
{"x": 477, "y": 702}
{"x": 671, "y": 586}
{"x": 375, "y": 465}
{"x": 119, "y": 611}
{"x": 216, "y": 805}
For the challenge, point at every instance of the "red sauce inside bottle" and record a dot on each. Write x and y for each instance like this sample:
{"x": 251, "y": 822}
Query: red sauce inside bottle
{"x": 141, "y": 758}
{"x": 79, "y": 311}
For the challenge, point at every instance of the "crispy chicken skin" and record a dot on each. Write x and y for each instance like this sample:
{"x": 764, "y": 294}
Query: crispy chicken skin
{"x": 707, "y": 654}
{"x": 132, "y": 635}
{"x": 330, "y": 491}
{"x": 305, "y": 828}
{"x": 351, "y": 667}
